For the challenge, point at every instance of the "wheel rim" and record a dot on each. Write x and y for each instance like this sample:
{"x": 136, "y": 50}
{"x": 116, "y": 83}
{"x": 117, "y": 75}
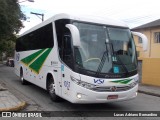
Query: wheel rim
{"x": 52, "y": 88}
{"x": 21, "y": 77}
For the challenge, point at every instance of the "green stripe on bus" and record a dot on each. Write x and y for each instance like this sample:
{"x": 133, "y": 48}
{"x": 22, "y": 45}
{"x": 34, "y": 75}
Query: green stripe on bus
{"x": 125, "y": 81}
{"x": 37, "y": 64}
{"x": 31, "y": 57}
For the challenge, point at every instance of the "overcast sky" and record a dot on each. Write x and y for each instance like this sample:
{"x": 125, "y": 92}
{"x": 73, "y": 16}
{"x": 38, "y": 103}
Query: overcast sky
{"x": 132, "y": 12}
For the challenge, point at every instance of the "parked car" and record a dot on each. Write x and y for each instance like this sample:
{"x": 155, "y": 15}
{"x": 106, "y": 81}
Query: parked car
{"x": 10, "y": 62}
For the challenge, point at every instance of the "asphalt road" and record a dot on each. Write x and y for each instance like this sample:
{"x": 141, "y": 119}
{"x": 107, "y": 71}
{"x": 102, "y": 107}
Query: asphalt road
{"x": 41, "y": 98}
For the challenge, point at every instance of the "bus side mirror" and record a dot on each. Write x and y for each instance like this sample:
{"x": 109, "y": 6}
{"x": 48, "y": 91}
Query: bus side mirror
{"x": 144, "y": 39}
{"x": 75, "y": 34}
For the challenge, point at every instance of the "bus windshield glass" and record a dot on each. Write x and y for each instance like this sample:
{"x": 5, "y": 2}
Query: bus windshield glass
{"x": 105, "y": 49}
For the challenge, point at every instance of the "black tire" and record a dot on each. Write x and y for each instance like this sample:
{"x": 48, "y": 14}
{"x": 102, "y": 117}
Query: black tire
{"x": 51, "y": 90}
{"x": 23, "y": 81}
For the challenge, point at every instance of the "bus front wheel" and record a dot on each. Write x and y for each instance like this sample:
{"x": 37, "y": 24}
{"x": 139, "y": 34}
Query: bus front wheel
{"x": 51, "y": 90}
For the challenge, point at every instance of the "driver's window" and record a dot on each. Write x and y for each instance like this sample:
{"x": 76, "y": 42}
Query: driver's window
{"x": 64, "y": 42}
{"x": 67, "y": 47}
{"x": 67, "y": 53}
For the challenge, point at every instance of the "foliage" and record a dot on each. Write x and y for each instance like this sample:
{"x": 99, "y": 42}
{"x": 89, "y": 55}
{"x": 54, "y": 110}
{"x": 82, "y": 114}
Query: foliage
{"x": 10, "y": 24}
{"x": 8, "y": 47}
{"x": 10, "y": 15}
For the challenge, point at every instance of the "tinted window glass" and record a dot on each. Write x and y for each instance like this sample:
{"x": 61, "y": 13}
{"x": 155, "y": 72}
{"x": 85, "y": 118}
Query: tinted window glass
{"x": 64, "y": 42}
{"x": 38, "y": 39}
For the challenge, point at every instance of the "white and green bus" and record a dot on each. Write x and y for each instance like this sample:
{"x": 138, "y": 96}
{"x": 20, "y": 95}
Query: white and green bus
{"x": 82, "y": 59}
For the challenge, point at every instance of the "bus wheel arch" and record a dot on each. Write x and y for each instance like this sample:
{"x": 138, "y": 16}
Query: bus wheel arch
{"x": 50, "y": 85}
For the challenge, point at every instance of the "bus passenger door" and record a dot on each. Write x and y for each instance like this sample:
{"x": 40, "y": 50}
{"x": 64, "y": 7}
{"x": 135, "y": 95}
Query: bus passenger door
{"x": 67, "y": 65}
{"x": 65, "y": 48}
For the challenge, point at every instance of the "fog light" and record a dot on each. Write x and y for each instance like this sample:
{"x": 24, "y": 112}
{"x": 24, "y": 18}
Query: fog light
{"x": 79, "y": 96}
{"x": 136, "y": 93}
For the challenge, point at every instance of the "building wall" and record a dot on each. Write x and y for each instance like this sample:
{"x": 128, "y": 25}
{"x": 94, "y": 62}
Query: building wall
{"x": 150, "y": 71}
{"x": 153, "y": 48}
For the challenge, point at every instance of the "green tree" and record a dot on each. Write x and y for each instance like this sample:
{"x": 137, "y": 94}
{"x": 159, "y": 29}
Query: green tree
{"x": 10, "y": 24}
{"x": 8, "y": 46}
{"x": 10, "y": 15}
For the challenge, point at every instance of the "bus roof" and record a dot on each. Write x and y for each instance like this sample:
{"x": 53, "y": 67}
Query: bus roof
{"x": 83, "y": 18}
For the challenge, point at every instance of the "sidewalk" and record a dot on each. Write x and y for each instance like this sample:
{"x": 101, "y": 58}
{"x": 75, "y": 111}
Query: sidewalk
{"x": 8, "y": 102}
{"x": 150, "y": 90}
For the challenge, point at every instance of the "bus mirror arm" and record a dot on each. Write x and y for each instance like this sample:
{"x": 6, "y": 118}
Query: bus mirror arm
{"x": 75, "y": 34}
{"x": 144, "y": 39}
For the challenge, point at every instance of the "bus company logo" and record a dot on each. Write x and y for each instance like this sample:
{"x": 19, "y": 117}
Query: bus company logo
{"x": 17, "y": 56}
{"x": 112, "y": 76}
{"x": 67, "y": 84}
{"x": 98, "y": 81}
{"x": 113, "y": 88}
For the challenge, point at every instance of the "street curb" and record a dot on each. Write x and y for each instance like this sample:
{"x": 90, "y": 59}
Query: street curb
{"x": 3, "y": 89}
{"x": 19, "y": 107}
{"x": 149, "y": 93}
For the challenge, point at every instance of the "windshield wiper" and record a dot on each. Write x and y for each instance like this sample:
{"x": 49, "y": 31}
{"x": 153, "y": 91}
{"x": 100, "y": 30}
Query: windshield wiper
{"x": 124, "y": 67}
{"x": 101, "y": 64}
{"x": 105, "y": 54}
{"x": 113, "y": 54}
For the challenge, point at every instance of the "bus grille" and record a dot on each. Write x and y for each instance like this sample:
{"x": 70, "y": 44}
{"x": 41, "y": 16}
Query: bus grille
{"x": 112, "y": 88}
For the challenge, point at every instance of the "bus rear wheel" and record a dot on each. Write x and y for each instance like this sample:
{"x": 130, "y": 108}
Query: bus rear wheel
{"x": 23, "y": 81}
{"x": 51, "y": 90}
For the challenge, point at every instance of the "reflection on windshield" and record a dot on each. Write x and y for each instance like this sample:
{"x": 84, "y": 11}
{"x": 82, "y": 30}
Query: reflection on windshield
{"x": 96, "y": 40}
{"x": 124, "y": 47}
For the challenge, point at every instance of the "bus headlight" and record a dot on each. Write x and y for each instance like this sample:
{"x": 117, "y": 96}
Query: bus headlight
{"x": 136, "y": 79}
{"x": 79, "y": 95}
{"x": 82, "y": 83}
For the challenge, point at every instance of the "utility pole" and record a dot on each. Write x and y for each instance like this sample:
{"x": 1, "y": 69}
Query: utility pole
{"x": 38, "y": 14}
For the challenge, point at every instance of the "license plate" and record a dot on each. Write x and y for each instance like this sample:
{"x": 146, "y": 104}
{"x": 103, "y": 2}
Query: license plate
{"x": 110, "y": 97}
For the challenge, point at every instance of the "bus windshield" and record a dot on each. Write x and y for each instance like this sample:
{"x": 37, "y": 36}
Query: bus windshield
{"x": 105, "y": 49}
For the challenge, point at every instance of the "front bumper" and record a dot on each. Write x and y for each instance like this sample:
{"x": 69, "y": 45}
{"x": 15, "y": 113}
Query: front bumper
{"x": 83, "y": 95}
